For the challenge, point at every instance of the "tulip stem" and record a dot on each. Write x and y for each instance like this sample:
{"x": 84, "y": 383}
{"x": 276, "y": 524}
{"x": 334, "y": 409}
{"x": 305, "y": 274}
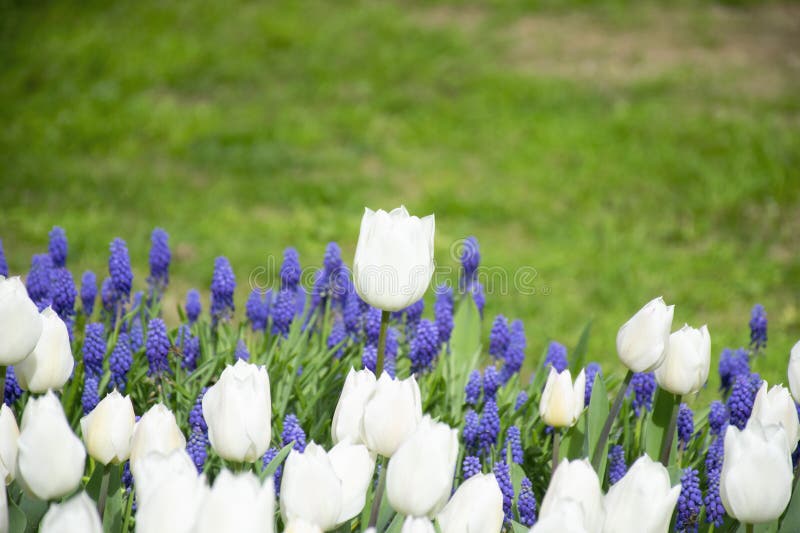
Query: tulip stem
{"x": 749, "y": 528}
{"x": 600, "y": 448}
{"x": 669, "y": 436}
{"x": 556, "y": 446}
{"x": 382, "y": 343}
{"x": 376, "y": 500}
{"x": 2, "y": 384}
{"x": 101, "y": 500}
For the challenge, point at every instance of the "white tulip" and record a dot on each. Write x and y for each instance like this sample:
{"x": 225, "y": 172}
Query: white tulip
{"x": 238, "y": 411}
{"x": 756, "y": 479}
{"x": 358, "y": 387}
{"x": 419, "y": 477}
{"x": 50, "y": 363}
{"x": 154, "y": 468}
{"x": 393, "y": 264}
{"x": 79, "y": 513}
{"x": 9, "y": 435}
{"x": 108, "y": 429}
{"x": 391, "y": 414}
{"x": 238, "y": 504}
{"x": 565, "y": 517}
{"x": 20, "y": 323}
{"x": 3, "y": 504}
{"x": 686, "y": 365}
{"x": 51, "y": 457}
{"x": 310, "y": 489}
{"x": 156, "y": 431}
{"x": 354, "y": 465}
{"x": 562, "y": 402}
{"x": 577, "y": 481}
{"x": 794, "y": 371}
{"x": 776, "y": 406}
{"x": 477, "y": 505}
{"x": 642, "y": 501}
{"x": 417, "y": 525}
{"x": 301, "y": 526}
{"x": 643, "y": 340}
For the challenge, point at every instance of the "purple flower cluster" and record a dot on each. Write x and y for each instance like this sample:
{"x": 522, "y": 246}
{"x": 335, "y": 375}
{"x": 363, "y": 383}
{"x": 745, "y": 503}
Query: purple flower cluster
{"x": 160, "y": 257}
{"x": 685, "y": 426}
{"x": 193, "y": 305}
{"x": 157, "y": 348}
{"x": 717, "y": 417}
{"x": 443, "y": 313}
{"x": 369, "y": 358}
{"x": 119, "y": 268}
{"x": 556, "y": 356}
{"x": 283, "y": 312}
{"x": 257, "y": 309}
{"x": 478, "y": 296}
{"x": 290, "y": 269}
{"x": 515, "y": 351}
{"x": 758, "y": 328}
{"x": 472, "y": 390}
{"x": 241, "y": 351}
{"x": 522, "y": 397}
{"x": 470, "y": 260}
{"x": 57, "y": 246}
{"x": 593, "y": 371}
{"x": 424, "y": 347}
{"x": 392, "y": 347}
{"x": 740, "y": 402}
{"x": 38, "y": 280}
{"x": 526, "y": 503}
{"x": 617, "y": 468}
{"x": 715, "y": 511}
{"x": 503, "y": 475}
{"x": 337, "y": 337}
{"x": 643, "y": 385}
{"x": 489, "y": 426}
{"x": 197, "y": 448}
{"x": 11, "y": 387}
{"x": 732, "y": 364}
{"x": 63, "y": 293}
{"x": 120, "y": 362}
{"x": 690, "y": 502}
{"x": 223, "y": 284}
{"x": 94, "y": 349}
{"x": 491, "y": 382}
{"x": 514, "y": 444}
{"x": 88, "y": 292}
{"x": 499, "y": 337}
{"x": 470, "y": 467}
{"x": 472, "y": 430}
{"x": 3, "y": 262}
{"x": 90, "y": 396}
{"x": 269, "y": 455}
{"x": 293, "y": 433}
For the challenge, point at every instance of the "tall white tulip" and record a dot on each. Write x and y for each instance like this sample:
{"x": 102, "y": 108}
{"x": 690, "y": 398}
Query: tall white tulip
{"x": 9, "y": 435}
{"x": 576, "y": 480}
{"x": 79, "y": 513}
{"x": 354, "y": 465}
{"x": 20, "y": 323}
{"x": 108, "y": 429}
{"x": 777, "y": 407}
{"x": 358, "y": 387}
{"x": 310, "y": 489}
{"x": 685, "y": 368}
{"x": 51, "y": 457}
{"x": 794, "y": 371}
{"x": 50, "y": 363}
{"x": 391, "y": 414}
{"x": 154, "y": 468}
{"x": 643, "y": 340}
{"x": 419, "y": 477}
{"x": 238, "y": 411}
{"x": 562, "y": 402}
{"x": 238, "y": 504}
{"x": 642, "y": 501}
{"x": 156, "y": 431}
{"x": 756, "y": 479}
{"x": 477, "y": 505}
{"x": 565, "y": 517}
{"x": 393, "y": 264}
{"x": 414, "y": 524}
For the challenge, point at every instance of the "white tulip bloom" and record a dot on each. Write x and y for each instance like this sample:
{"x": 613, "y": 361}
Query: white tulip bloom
{"x": 794, "y": 371}
{"x": 776, "y": 406}
{"x": 417, "y": 525}
{"x": 79, "y": 513}
{"x": 477, "y": 505}
{"x": 156, "y": 431}
{"x": 310, "y": 489}
{"x": 108, "y": 429}
{"x": 686, "y": 365}
{"x": 643, "y": 340}
{"x": 354, "y": 465}
{"x": 9, "y": 435}
{"x": 576, "y": 481}
{"x": 562, "y": 402}
{"x": 358, "y": 387}
{"x": 301, "y": 526}
{"x": 566, "y": 516}
{"x": 50, "y": 363}
{"x": 391, "y": 414}
{"x": 238, "y": 504}
{"x": 393, "y": 264}
{"x": 20, "y": 323}
{"x": 155, "y": 468}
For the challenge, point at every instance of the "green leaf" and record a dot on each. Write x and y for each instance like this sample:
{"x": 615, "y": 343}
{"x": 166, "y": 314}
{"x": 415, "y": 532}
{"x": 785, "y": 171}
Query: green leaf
{"x": 572, "y": 443}
{"x": 33, "y": 510}
{"x": 112, "y": 517}
{"x": 596, "y": 417}
{"x": 517, "y": 473}
{"x": 273, "y": 465}
{"x": 519, "y": 528}
{"x": 465, "y": 348}
{"x": 790, "y": 522}
{"x": 659, "y": 422}
{"x": 579, "y": 353}
{"x": 396, "y": 525}
{"x": 17, "y": 521}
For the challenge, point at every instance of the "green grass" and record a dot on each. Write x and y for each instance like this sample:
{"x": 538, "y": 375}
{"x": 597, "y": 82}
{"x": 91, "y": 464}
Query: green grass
{"x": 243, "y": 128}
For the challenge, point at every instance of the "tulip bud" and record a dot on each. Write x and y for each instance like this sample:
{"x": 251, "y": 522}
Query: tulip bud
{"x": 391, "y": 414}
{"x": 794, "y": 372}
{"x": 417, "y": 525}
{"x": 301, "y": 526}
{"x": 20, "y": 323}
{"x": 156, "y": 431}
{"x": 566, "y": 516}
{"x": 642, "y": 500}
{"x": 238, "y": 503}
{"x": 358, "y": 387}
{"x": 9, "y": 434}
{"x": 354, "y": 466}
{"x": 108, "y": 429}
{"x": 643, "y": 340}
{"x": 419, "y": 477}
{"x": 79, "y": 513}
{"x": 777, "y": 407}
{"x": 756, "y": 479}
{"x": 155, "y": 467}
{"x": 685, "y": 367}
{"x": 238, "y": 411}
{"x": 562, "y": 402}
{"x": 477, "y": 505}
{"x": 51, "y": 458}
{"x": 310, "y": 489}
{"x": 576, "y": 480}
{"x": 50, "y": 363}
{"x": 393, "y": 264}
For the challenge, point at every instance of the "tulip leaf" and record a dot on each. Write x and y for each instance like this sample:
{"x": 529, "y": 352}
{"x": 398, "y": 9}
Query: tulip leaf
{"x": 33, "y": 510}
{"x": 112, "y": 517}
{"x": 276, "y": 461}
{"x": 465, "y": 348}
{"x": 579, "y": 353}
{"x": 396, "y": 525}
{"x": 17, "y": 521}
{"x": 596, "y": 417}
{"x": 658, "y": 423}
{"x": 790, "y": 522}
{"x": 519, "y": 528}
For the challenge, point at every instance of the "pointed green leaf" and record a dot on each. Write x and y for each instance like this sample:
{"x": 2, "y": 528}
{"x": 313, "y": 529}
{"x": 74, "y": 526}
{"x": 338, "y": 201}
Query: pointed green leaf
{"x": 579, "y": 353}
{"x": 596, "y": 417}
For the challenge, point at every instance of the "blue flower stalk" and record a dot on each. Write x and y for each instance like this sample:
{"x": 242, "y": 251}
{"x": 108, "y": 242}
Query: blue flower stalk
{"x": 241, "y": 351}
{"x": 197, "y": 448}
{"x": 489, "y": 426}
{"x": 257, "y": 310}
{"x": 269, "y": 455}
{"x": 758, "y": 328}
{"x": 392, "y": 348}
{"x": 499, "y": 337}
{"x": 196, "y": 418}
{"x": 38, "y": 280}
{"x": 3, "y": 262}
{"x": 57, "y": 246}
{"x": 470, "y": 261}
{"x": 503, "y": 475}
{"x": 443, "y": 313}
{"x": 471, "y": 466}
{"x": 643, "y": 385}
{"x": 63, "y": 293}
{"x": 223, "y": 285}
{"x": 90, "y": 396}
{"x": 526, "y": 503}
{"x": 478, "y": 296}
{"x": 157, "y": 348}
{"x": 690, "y": 502}
{"x": 732, "y": 364}
{"x": 556, "y": 356}
{"x": 160, "y": 257}
{"x": 491, "y": 382}
{"x": 13, "y": 391}
{"x": 715, "y": 511}
{"x": 337, "y": 337}
{"x": 119, "y": 269}
{"x": 424, "y": 347}
{"x": 522, "y": 398}
{"x": 617, "y": 468}
{"x": 369, "y": 357}
{"x": 293, "y": 433}
{"x": 193, "y": 306}
{"x": 593, "y": 371}
{"x": 515, "y": 351}
{"x": 514, "y": 444}
{"x": 472, "y": 431}
{"x": 472, "y": 390}
{"x": 740, "y": 402}
{"x": 372, "y": 326}
{"x": 685, "y": 426}
{"x": 88, "y": 292}
{"x": 283, "y": 313}
{"x": 137, "y": 334}
{"x": 290, "y": 269}
{"x": 94, "y": 349}
{"x": 717, "y": 417}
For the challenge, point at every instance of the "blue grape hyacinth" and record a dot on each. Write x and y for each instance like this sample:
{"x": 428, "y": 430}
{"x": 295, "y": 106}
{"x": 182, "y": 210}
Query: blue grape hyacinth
{"x": 90, "y": 396}
{"x": 257, "y": 310}
{"x": 269, "y": 455}
{"x": 293, "y": 432}
{"x": 136, "y": 334}
{"x": 715, "y": 511}
{"x": 499, "y": 337}
{"x": 556, "y": 356}
{"x": 223, "y": 285}
{"x": 685, "y": 426}
{"x": 63, "y": 293}
{"x": 617, "y": 468}
{"x": 514, "y": 444}
{"x": 88, "y": 292}
{"x": 369, "y": 357}
{"x": 470, "y": 261}
{"x": 241, "y": 352}
{"x": 489, "y": 426}
{"x": 13, "y": 391}
{"x": 593, "y": 371}
{"x": 197, "y": 448}
{"x": 740, "y": 402}
{"x": 443, "y": 313}
{"x": 732, "y": 364}
{"x": 372, "y": 325}
{"x": 502, "y": 474}
{"x": 424, "y": 347}
{"x": 120, "y": 362}
{"x": 38, "y": 280}
{"x": 643, "y": 385}
{"x": 160, "y": 257}
{"x": 3, "y": 262}
{"x": 470, "y": 467}
{"x": 526, "y": 503}
{"x": 351, "y": 314}
{"x": 522, "y": 398}
{"x": 283, "y": 313}
{"x": 57, "y": 246}
{"x": 157, "y": 348}
{"x": 94, "y": 349}
{"x": 478, "y": 296}
{"x": 413, "y": 314}
{"x": 491, "y": 382}
{"x": 119, "y": 268}
{"x": 196, "y": 418}
{"x": 290, "y": 269}
{"x": 472, "y": 430}
{"x": 758, "y": 328}
{"x": 337, "y": 337}
{"x": 690, "y": 502}
{"x": 515, "y": 351}
{"x": 717, "y": 417}
{"x": 193, "y": 306}
{"x": 472, "y": 391}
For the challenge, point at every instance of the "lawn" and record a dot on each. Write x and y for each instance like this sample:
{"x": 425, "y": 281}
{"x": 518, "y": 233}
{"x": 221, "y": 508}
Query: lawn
{"x": 622, "y": 151}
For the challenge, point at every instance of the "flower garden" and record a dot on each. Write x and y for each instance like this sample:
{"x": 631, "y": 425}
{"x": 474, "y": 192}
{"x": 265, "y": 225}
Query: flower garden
{"x": 348, "y": 406}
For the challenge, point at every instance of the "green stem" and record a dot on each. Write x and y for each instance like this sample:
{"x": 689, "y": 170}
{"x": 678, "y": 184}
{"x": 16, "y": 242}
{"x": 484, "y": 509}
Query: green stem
{"x": 556, "y": 446}
{"x": 749, "y": 528}
{"x": 128, "y": 512}
{"x": 382, "y": 342}
{"x": 101, "y": 501}
{"x": 669, "y": 436}
{"x": 376, "y": 501}
{"x": 2, "y": 384}
{"x": 599, "y": 450}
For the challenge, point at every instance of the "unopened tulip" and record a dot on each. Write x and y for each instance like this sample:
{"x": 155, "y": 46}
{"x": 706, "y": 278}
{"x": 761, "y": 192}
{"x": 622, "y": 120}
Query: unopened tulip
{"x": 152, "y": 469}
{"x": 577, "y": 481}
{"x": 685, "y": 368}
{"x": 238, "y": 504}
{"x": 9, "y": 434}
{"x": 417, "y": 525}
{"x": 20, "y": 323}
{"x": 393, "y": 264}
{"x": 391, "y": 414}
{"x": 358, "y": 387}
{"x": 756, "y": 479}
{"x": 643, "y": 340}
{"x": 310, "y": 489}
{"x": 794, "y": 371}
{"x": 108, "y": 429}
{"x": 562, "y": 402}
{"x": 477, "y": 505}
{"x": 354, "y": 466}
{"x": 301, "y": 526}
{"x": 51, "y": 457}
{"x": 50, "y": 363}
{"x": 79, "y": 513}
{"x": 565, "y": 517}
{"x": 777, "y": 407}
{"x": 156, "y": 431}
{"x": 419, "y": 477}
{"x": 238, "y": 411}
{"x": 642, "y": 500}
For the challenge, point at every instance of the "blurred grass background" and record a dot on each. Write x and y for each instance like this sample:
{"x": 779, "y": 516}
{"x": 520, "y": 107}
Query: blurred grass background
{"x": 622, "y": 149}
